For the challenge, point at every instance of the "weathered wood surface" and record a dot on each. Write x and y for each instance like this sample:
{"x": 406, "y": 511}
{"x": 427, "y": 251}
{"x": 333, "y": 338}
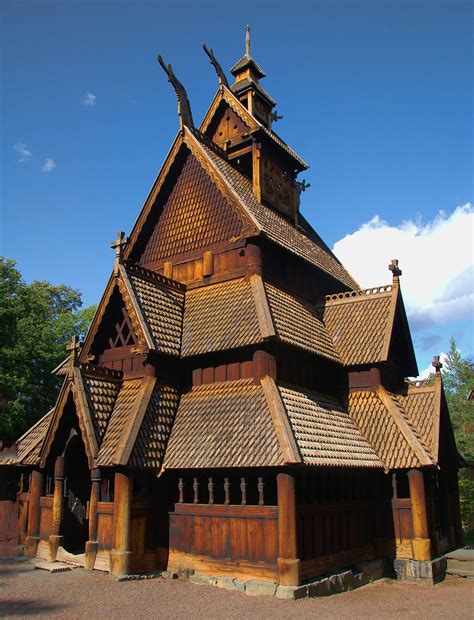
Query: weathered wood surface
{"x": 228, "y": 534}
{"x": 9, "y": 530}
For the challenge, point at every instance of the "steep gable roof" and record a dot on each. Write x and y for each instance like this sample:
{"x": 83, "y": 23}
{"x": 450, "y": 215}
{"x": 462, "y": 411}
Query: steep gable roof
{"x": 26, "y": 450}
{"x": 226, "y": 95}
{"x": 363, "y": 325}
{"x": 154, "y": 305}
{"x": 125, "y": 421}
{"x": 237, "y": 190}
{"x": 386, "y": 425}
{"x": 360, "y": 324}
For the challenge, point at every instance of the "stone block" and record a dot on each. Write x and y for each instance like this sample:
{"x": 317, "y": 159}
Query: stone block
{"x": 421, "y": 571}
{"x": 372, "y": 570}
{"x": 323, "y": 587}
{"x": 203, "y": 580}
{"x": 239, "y": 585}
{"x": 292, "y": 593}
{"x": 226, "y": 582}
{"x": 260, "y": 588}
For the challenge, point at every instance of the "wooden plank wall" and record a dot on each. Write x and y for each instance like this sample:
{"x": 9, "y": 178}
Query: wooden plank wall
{"x": 337, "y": 534}
{"x": 46, "y": 517}
{"x": 225, "y": 538}
{"x": 105, "y": 523}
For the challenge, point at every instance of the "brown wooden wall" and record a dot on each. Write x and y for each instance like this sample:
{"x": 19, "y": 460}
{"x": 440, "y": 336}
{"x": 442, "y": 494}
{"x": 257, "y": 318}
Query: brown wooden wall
{"x": 46, "y": 517}
{"x": 234, "y": 539}
{"x": 9, "y": 535}
{"x": 105, "y": 524}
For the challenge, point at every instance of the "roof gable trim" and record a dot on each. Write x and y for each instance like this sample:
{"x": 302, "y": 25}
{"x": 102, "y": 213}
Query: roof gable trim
{"x": 280, "y": 422}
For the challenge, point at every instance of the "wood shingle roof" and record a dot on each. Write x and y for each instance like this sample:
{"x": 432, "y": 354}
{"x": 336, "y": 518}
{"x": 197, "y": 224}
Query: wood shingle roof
{"x": 387, "y": 427}
{"x": 360, "y": 324}
{"x": 223, "y": 425}
{"x": 324, "y": 432}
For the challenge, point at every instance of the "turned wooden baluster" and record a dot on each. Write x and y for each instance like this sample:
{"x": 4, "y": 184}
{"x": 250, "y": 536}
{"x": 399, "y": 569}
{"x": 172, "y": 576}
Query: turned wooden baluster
{"x": 243, "y": 489}
{"x": 181, "y": 490}
{"x": 210, "y": 488}
{"x": 196, "y": 491}
{"x": 226, "y": 491}
{"x": 260, "y": 487}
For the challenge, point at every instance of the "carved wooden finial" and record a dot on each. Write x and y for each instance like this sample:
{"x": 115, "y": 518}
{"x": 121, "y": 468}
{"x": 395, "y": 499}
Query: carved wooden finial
{"x": 220, "y": 73}
{"x": 73, "y": 348}
{"x": 393, "y": 267}
{"x": 184, "y": 108}
{"x": 119, "y": 245}
{"x": 247, "y": 41}
{"x": 437, "y": 365}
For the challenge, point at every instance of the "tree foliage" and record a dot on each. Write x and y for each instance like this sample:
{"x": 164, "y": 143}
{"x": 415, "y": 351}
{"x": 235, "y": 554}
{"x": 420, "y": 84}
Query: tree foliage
{"x": 36, "y": 322}
{"x": 458, "y": 381}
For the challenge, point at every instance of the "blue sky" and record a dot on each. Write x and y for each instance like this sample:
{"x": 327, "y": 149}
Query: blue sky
{"x": 376, "y": 96}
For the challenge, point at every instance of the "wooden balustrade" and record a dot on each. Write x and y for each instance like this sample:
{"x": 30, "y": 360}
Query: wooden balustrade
{"x": 219, "y": 490}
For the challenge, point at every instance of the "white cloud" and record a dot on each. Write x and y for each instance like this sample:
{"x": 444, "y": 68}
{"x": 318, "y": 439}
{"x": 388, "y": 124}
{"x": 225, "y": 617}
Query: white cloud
{"x": 48, "y": 165}
{"x": 88, "y": 99}
{"x": 23, "y": 151}
{"x": 436, "y": 259}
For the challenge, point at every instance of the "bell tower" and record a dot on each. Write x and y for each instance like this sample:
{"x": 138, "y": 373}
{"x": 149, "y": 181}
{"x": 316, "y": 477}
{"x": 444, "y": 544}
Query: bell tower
{"x": 247, "y": 73}
{"x": 240, "y": 123}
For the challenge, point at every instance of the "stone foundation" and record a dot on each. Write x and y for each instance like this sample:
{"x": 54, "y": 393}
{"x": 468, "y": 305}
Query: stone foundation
{"x": 342, "y": 581}
{"x": 421, "y": 571}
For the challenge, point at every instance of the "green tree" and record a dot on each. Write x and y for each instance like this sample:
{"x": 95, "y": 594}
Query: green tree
{"x": 36, "y": 321}
{"x": 458, "y": 381}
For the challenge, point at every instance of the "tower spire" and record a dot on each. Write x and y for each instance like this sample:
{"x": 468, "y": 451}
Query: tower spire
{"x": 247, "y": 41}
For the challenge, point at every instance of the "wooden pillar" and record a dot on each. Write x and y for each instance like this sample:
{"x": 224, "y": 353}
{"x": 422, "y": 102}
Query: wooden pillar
{"x": 34, "y": 514}
{"x": 421, "y": 542}
{"x": 456, "y": 506}
{"x": 434, "y": 531}
{"x": 253, "y": 260}
{"x": 121, "y": 552}
{"x": 288, "y": 562}
{"x": 55, "y": 538}
{"x": 257, "y": 171}
{"x": 92, "y": 545}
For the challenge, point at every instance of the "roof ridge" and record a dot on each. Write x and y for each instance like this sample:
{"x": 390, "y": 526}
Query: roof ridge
{"x": 155, "y": 277}
{"x": 101, "y": 372}
{"x": 359, "y": 294}
{"x": 220, "y": 385}
{"x": 239, "y": 203}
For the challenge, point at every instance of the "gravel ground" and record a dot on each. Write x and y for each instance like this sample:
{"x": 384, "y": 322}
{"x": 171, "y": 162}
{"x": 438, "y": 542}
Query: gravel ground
{"x": 25, "y": 592}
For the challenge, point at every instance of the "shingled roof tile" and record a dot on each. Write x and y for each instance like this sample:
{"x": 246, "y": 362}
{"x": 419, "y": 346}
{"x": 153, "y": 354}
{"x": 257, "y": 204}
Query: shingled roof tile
{"x": 359, "y": 323}
{"x": 223, "y": 425}
{"x": 152, "y": 438}
{"x": 276, "y": 227}
{"x": 388, "y": 429}
{"x": 324, "y": 432}
{"x": 219, "y": 317}
{"x": 298, "y": 323}
{"x": 162, "y": 307}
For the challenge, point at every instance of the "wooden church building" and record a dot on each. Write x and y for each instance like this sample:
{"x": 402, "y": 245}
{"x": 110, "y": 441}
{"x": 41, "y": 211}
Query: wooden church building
{"x": 239, "y": 405}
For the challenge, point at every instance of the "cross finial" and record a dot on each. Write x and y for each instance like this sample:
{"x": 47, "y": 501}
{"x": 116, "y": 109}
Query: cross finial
{"x": 73, "y": 348}
{"x": 394, "y": 268}
{"x": 247, "y": 41}
{"x": 437, "y": 365}
{"x": 119, "y": 246}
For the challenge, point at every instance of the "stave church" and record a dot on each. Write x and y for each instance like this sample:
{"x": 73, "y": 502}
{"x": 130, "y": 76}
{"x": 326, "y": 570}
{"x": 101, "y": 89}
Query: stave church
{"x": 239, "y": 406}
